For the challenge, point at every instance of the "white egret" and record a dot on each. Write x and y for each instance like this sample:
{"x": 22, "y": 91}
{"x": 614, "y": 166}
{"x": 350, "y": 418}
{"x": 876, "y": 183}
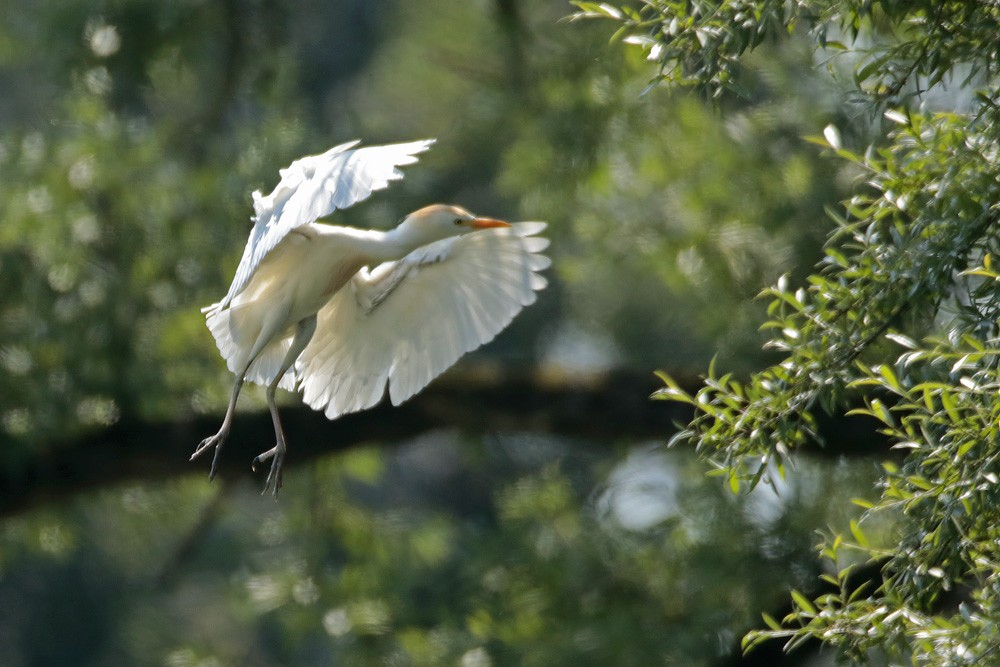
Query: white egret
{"x": 340, "y": 313}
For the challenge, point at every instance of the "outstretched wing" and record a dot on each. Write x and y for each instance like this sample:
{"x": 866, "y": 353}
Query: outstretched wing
{"x": 315, "y": 186}
{"x": 406, "y": 322}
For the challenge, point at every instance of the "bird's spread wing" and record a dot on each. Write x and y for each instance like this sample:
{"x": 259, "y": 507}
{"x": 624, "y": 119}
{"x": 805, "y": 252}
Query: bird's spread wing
{"x": 408, "y": 321}
{"x": 315, "y": 186}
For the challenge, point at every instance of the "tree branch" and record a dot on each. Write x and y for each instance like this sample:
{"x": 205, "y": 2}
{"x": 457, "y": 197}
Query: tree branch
{"x": 604, "y": 407}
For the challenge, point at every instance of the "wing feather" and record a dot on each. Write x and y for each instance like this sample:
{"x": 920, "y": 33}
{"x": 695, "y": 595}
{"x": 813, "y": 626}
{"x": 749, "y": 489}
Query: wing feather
{"x": 406, "y": 322}
{"x": 315, "y": 186}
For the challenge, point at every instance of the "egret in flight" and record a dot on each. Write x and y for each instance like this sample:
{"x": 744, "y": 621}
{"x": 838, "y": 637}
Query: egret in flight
{"x": 340, "y": 313}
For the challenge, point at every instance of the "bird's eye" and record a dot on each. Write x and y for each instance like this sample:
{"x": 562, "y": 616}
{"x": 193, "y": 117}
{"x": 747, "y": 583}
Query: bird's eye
{"x": 458, "y": 221}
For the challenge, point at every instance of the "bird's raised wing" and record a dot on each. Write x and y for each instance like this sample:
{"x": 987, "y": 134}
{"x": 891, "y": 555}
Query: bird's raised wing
{"x": 315, "y": 186}
{"x": 407, "y": 321}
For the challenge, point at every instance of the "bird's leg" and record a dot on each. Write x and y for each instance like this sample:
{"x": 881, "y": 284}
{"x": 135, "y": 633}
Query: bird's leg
{"x": 303, "y": 334}
{"x": 219, "y": 438}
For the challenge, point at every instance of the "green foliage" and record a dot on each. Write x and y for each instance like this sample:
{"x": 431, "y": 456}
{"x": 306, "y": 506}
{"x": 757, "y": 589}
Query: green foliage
{"x": 109, "y": 198}
{"x": 696, "y": 42}
{"x": 902, "y": 313}
{"x": 891, "y": 262}
{"x": 897, "y": 47}
{"x": 369, "y": 560}
{"x": 685, "y": 207}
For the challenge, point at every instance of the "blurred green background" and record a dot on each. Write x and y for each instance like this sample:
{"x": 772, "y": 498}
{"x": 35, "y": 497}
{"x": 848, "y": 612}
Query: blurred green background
{"x": 131, "y": 134}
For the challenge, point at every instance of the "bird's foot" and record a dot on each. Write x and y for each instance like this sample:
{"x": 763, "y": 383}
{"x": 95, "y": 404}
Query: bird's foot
{"x": 216, "y": 441}
{"x": 273, "y": 482}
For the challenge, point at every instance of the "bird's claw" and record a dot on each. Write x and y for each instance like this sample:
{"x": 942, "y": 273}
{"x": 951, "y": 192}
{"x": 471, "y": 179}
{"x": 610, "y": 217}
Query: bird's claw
{"x": 273, "y": 481}
{"x": 216, "y": 441}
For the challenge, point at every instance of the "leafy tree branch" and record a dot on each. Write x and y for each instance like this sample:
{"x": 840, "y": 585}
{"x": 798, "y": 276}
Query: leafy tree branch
{"x": 902, "y": 311}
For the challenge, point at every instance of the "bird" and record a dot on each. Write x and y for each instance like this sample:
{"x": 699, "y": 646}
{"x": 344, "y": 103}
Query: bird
{"x": 343, "y": 314}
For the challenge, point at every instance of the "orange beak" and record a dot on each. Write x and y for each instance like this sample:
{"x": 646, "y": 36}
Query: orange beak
{"x": 487, "y": 223}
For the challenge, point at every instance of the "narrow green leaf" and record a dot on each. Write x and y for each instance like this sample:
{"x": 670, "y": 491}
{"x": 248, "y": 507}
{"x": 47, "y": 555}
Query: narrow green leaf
{"x": 948, "y": 402}
{"x": 734, "y": 482}
{"x": 920, "y": 482}
{"x": 881, "y": 412}
{"x": 803, "y": 602}
{"x": 770, "y": 621}
{"x": 832, "y": 136}
{"x": 900, "y": 339}
{"x": 859, "y": 535}
{"x": 890, "y": 377}
{"x": 897, "y": 117}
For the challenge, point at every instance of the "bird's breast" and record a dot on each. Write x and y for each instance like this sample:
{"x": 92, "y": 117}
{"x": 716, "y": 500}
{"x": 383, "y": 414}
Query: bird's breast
{"x": 339, "y": 275}
{"x": 300, "y": 276}
{"x": 317, "y": 278}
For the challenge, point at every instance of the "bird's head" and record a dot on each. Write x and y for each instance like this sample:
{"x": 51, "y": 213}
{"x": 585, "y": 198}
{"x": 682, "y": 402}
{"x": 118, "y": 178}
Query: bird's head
{"x": 441, "y": 221}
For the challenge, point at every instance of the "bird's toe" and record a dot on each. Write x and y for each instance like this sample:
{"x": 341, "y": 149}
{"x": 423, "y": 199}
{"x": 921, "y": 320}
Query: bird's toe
{"x": 206, "y": 444}
{"x": 274, "y": 476}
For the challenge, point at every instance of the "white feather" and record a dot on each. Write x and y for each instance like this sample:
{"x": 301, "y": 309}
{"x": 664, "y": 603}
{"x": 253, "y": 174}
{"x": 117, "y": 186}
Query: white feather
{"x": 406, "y": 322}
{"x": 313, "y": 187}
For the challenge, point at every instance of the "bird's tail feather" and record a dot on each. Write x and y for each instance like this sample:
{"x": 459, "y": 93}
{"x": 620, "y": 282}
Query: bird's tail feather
{"x": 268, "y": 362}
{"x": 229, "y": 328}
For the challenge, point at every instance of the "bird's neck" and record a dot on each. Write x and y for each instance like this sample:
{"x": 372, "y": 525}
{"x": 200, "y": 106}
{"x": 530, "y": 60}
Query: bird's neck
{"x": 401, "y": 241}
{"x": 380, "y": 246}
